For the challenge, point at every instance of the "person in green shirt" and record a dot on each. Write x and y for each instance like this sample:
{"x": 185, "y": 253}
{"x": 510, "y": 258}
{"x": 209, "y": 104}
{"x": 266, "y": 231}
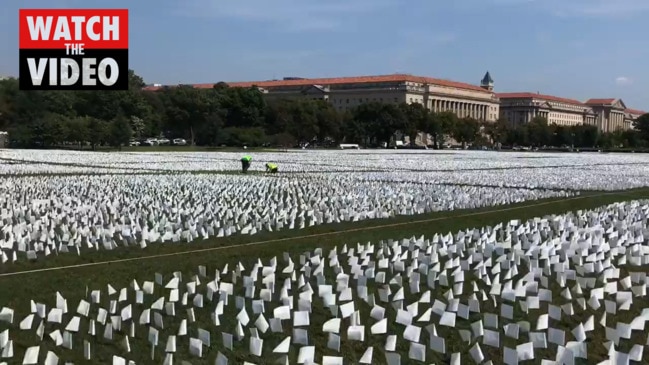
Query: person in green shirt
{"x": 271, "y": 167}
{"x": 245, "y": 163}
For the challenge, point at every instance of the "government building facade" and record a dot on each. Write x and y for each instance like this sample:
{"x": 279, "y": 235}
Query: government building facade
{"x": 608, "y": 115}
{"x": 465, "y": 100}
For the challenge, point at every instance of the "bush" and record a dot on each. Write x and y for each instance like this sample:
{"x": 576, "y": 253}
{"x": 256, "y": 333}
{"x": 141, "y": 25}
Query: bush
{"x": 283, "y": 140}
{"x": 251, "y": 137}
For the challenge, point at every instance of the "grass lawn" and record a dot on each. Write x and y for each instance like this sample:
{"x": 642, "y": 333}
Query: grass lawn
{"x": 41, "y": 286}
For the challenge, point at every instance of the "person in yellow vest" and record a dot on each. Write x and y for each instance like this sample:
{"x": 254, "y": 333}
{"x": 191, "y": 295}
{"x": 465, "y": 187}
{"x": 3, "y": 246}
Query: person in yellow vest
{"x": 245, "y": 163}
{"x": 271, "y": 167}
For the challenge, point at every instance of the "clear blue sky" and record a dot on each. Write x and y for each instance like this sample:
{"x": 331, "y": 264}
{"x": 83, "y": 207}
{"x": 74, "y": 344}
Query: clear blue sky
{"x": 570, "y": 48}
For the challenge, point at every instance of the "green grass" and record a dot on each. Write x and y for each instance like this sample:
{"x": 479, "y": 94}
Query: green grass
{"x": 41, "y": 286}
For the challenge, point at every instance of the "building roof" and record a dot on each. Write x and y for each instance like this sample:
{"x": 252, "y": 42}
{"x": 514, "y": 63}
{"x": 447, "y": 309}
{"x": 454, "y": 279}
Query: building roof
{"x": 529, "y": 95}
{"x": 635, "y": 111}
{"x": 346, "y": 80}
{"x": 600, "y": 101}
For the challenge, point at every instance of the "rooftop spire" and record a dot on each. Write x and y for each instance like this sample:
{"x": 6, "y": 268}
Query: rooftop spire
{"x": 487, "y": 82}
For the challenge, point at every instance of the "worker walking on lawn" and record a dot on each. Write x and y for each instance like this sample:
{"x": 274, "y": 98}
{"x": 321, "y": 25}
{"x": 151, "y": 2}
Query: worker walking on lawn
{"x": 271, "y": 167}
{"x": 245, "y": 163}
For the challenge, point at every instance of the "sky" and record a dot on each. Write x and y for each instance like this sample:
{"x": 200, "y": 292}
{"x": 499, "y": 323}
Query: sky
{"x": 577, "y": 49}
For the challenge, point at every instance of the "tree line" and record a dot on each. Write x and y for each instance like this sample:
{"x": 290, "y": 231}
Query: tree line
{"x": 242, "y": 116}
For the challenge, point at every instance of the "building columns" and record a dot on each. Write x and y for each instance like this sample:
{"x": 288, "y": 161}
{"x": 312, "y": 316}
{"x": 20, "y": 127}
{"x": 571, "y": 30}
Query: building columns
{"x": 461, "y": 109}
{"x": 620, "y": 121}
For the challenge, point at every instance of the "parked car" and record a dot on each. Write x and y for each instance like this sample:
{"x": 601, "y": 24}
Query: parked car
{"x": 150, "y": 142}
{"x": 179, "y": 142}
{"x": 163, "y": 141}
{"x": 134, "y": 143}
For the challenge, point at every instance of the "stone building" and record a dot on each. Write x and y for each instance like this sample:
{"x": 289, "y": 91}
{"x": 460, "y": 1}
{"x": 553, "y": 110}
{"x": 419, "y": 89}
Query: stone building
{"x": 630, "y": 115}
{"x": 466, "y": 100}
{"x": 519, "y": 108}
{"x": 608, "y": 115}
{"x": 438, "y": 95}
{"x": 613, "y": 114}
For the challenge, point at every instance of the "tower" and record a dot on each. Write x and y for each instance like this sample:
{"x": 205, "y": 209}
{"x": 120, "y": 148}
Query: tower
{"x": 487, "y": 82}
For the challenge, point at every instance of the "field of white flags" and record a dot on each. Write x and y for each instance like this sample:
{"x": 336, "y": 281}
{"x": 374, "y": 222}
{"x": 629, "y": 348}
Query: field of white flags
{"x": 564, "y": 289}
{"x": 575, "y": 171}
{"x": 60, "y": 202}
{"x": 60, "y": 214}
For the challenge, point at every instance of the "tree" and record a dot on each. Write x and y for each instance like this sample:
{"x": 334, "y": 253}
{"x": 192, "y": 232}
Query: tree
{"x": 448, "y": 121}
{"x": 497, "y": 131}
{"x": 78, "y": 131}
{"x": 632, "y": 138}
{"x": 605, "y": 140}
{"x": 539, "y": 132}
{"x": 466, "y": 131}
{"x": 617, "y": 139}
{"x": 251, "y": 137}
{"x": 641, "y": 124}
{"x": 433, "y": 127}
{"x": 244, "y": 116}
{"x": 137, "y": 126}
{"x": 416, "y": 119}
{"x": 585, "y": 135}
{"x": 155, "y": 120}
{"x": 245, "y": 106}
{"x": 517, "y": 136}
{"x": 329, "y": 122}
{"x": 188, "y": 108}
{"x": 470, "y": 130}
{"x": 354, "y": 129}
{"x": 120, "y": 131}
{"x": 278, "y": 116}
{"x": 97, "y": 132}
{"x": 562, "y": 136}
{"x": 381, "y": 120}
{"x": 21, "y": 136}
{"x": 389, "y": 120}
{"x": 48, "y": 130}
{"x": 135, "y": 82}
{"x": 304, "y": 121}
{"x": 210, "y": 132}
{"x": 284, "y": 140}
